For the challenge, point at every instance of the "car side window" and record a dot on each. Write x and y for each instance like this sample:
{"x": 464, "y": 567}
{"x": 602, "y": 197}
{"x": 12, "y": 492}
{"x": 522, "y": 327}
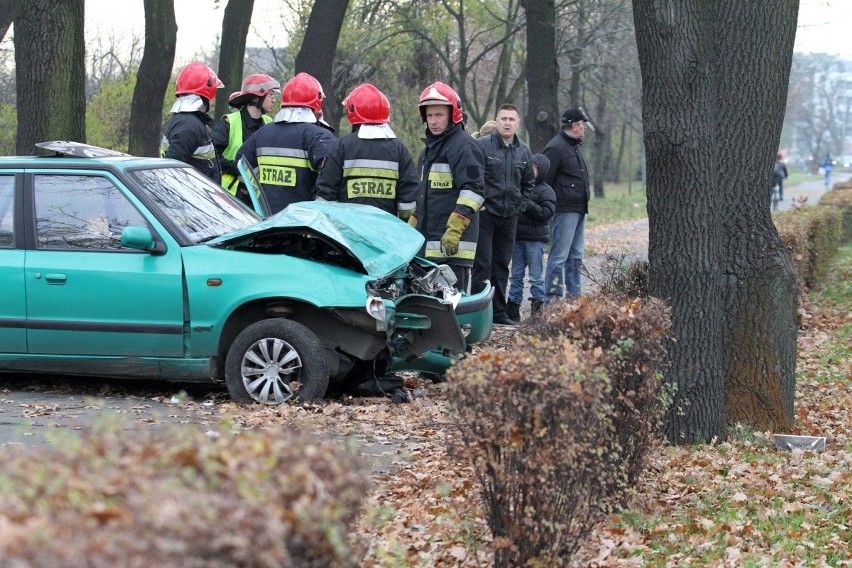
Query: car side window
{"x": 7, "y": 211}
{"x": 81, "y": 212}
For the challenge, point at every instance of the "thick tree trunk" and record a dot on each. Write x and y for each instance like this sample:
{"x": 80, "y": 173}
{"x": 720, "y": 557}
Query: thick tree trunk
{"x": 712, "y": 116}
{"x": 152, "y": 80}
{"x": 49, "y": 63}
{"x": 760, "y": 330}
{"x": 316, "y": 55}
{"x": 8, "y": 13}
{"x": 232, "y": 50}
{"x": 542, "y": 120}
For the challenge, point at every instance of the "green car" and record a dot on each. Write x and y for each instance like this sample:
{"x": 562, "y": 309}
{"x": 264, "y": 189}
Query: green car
{"x": 119, "y": 266}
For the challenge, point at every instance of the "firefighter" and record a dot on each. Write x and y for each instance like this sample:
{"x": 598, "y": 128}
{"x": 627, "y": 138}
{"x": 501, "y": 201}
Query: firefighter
{"x": 251, "y": 105}
{"x": 187, "y": 137}
{"x": 288, "y": 153}
{"x": 370, "y": 166}
{"x": 452, "y": 170}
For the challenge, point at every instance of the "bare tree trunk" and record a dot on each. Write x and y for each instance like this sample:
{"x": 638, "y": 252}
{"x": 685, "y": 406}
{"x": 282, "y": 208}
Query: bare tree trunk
{"x": 714, "y": 76}
{"x": 155, "y": 71}
{"x": 232, "y": 50}
{"x": 316, "y": 55}
{"x": 49, "y": 63}
{"x": 621, "y": 149}
{"x": 601, "y": 142}
{"x": 542, "y": 120}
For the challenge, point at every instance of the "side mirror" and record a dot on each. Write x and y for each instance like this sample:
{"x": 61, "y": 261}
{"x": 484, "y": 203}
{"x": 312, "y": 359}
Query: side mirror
{"x": 138, "y": 238}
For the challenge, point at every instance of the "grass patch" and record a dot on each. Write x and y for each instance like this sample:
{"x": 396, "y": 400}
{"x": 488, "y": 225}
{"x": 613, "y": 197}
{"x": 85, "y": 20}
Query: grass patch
{"x": 621, "y": 202}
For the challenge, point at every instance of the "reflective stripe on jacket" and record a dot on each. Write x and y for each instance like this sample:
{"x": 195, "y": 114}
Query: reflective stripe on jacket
{"x": 187, "y": 139}
{"x": 451, "y": 179}
{"x": 286, "y": 157}
{"x": 235, "y": 140}
{"x": 377, "y": 172}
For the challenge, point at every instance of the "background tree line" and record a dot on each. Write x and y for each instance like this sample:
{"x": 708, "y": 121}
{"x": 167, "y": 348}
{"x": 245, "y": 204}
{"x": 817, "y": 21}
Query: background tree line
{"x": 661, "y": 80}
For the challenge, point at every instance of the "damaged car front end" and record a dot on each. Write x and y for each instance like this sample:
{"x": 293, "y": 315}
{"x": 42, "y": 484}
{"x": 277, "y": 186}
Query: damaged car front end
{"x": 410, "y": 315}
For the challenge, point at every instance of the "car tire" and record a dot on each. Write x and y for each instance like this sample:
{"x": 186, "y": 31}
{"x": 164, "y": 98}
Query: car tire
{"x": 276, "y": 360}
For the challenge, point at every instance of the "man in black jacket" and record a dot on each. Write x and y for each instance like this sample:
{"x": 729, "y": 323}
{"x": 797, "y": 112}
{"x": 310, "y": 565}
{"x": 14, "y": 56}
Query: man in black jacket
{"x": 509, "y": 180}
{"x": 569, "y": 178}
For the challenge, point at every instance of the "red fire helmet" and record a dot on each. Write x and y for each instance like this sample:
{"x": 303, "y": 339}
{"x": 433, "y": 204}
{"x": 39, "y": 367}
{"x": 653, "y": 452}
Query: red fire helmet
{"x": 367, "y": 105}
{"x": 303, "y": 90}
{"x": 199, "y": 79}
{"x": 441, "y": 94}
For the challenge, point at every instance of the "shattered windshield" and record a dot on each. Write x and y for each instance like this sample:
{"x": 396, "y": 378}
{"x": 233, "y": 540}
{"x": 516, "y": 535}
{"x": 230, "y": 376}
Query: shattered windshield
{"x": 197, "y": 206}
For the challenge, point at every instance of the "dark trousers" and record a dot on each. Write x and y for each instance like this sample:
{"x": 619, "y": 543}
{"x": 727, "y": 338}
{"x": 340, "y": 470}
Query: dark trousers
{"x": 462, "y": 277}
{"x": 494, "y": 249}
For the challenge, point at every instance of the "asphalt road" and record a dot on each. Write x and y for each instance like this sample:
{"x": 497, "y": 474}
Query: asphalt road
{"x": 809, "y": 191}
{"x": 36, "y": 411}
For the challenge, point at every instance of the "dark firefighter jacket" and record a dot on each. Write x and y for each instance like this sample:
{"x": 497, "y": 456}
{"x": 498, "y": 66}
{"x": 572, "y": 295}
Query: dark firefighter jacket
{"x": 187, "y": 139}
{"x": 372, "y": 171}
{"x": 287, "y": 157}
{"x": 452, "y": 170}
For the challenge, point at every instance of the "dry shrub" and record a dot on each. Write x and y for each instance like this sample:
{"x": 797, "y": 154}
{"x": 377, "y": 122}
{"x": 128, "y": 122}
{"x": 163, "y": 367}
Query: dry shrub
{"x": 535, "y": 422}
{"x": 631, "y": 335}
{"x": 812, "y": 235}
{"x": 840, "y": 199}
{"x": 178, "y": 498}
{"x": 623, "y": 275}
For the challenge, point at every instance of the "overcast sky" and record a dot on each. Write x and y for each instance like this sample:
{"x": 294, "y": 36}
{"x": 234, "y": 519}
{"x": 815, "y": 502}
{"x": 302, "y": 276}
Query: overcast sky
{"x": 824, "y": 25}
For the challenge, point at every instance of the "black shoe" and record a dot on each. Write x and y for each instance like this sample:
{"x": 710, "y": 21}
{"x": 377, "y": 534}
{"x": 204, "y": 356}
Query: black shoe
{"x": 513, "y": 311}
{"x": 535, "y": 306}
{"x": 503, "y": 319}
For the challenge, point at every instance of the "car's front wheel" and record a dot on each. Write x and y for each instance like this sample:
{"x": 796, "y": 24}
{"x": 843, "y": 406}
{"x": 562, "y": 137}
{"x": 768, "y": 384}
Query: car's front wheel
{"x": 275, "y": 360}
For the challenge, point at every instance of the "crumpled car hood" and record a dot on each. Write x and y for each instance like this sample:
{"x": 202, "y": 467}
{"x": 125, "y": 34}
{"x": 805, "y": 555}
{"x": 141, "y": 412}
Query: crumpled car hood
{"x": 379, "y": 240}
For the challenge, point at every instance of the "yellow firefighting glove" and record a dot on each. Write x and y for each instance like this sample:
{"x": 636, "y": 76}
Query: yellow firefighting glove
{"x": 412, "y": 221}
{"x": 456, "y": 225}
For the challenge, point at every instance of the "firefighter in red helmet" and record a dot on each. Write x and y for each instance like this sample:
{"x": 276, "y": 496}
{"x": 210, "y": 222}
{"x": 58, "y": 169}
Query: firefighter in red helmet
{"x": 251, "y": 105}
{"x": 452, "y": 171}
{"x": 187, "y": 137}
{"x": 370, "y": 165}
{"x": 288, "y": 153}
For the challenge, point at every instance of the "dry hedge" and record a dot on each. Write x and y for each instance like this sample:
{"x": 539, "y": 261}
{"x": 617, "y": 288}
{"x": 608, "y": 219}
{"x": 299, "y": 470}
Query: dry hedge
{"x": 179, "y": 498}
{"x": 840, "y": 199}
{"x": 812, "y": 236}
{"x": 531, "y": 420}
{"x": 559, "y": 427}
{"x": 631, "y": 335}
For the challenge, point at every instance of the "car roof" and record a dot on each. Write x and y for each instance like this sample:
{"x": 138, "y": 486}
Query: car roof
{"x": 78, "y": 155}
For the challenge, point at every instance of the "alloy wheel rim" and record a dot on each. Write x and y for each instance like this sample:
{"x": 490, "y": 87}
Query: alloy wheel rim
{"x": 269, "y": 368}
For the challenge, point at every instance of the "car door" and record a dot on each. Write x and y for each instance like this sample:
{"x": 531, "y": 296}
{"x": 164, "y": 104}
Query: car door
{"x": 13, "y": 310}
{"x": 86, "y": 295}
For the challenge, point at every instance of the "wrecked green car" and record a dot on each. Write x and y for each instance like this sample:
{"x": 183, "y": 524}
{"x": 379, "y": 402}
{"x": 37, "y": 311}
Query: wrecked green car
{"x": 143, "y": 268}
